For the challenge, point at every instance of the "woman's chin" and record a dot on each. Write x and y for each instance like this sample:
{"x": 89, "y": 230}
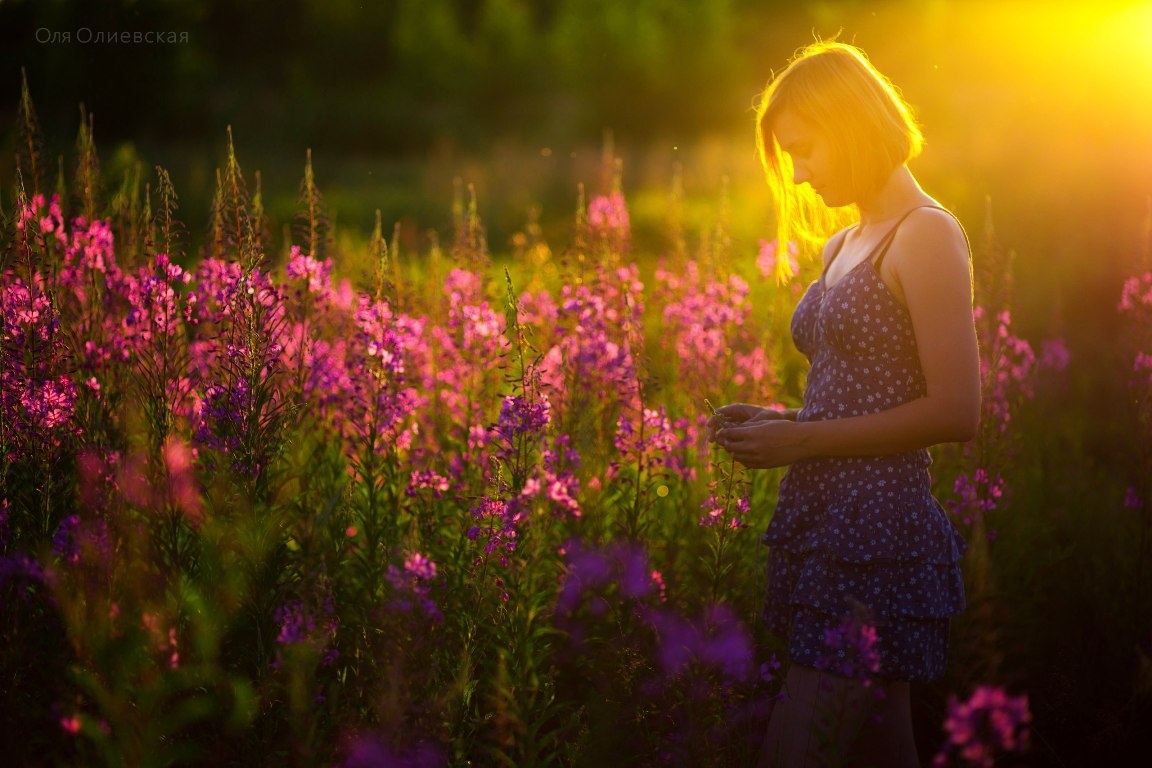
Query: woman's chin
{"x": 831, "y": 200}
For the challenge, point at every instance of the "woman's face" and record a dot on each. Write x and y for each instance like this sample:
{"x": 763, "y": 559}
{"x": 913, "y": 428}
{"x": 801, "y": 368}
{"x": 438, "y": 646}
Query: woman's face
{"x": 813, "y": 161}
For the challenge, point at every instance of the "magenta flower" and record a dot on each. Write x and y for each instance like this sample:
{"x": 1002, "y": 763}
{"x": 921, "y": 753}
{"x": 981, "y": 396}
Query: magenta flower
{"x": 48, "y": 405}
{"x": 155, "y": 309}
{"x": 426, "y": 479}
{"x": 976, "y": 495}
{"x": 538, "y": 309}
{"x": 65, "y": 542}
{"x": 561, "y": 491}
{"x": 1007, "y": 368}
{"x": 496, "y": 529}
{"x": 1137, "y": 291}
{"x": 1054, "y": 355}
{"x": 317, "y": 274}
{"x": 420, "y": 567}
{"x": 89, "y": 540}
{"x": 50, "y": 221}
{"x": 378, "y": 406}
{"x": 649, "y": 440}
{"x": 770, "y": 264}
{"x": 608, "y": 218}
{"x": 1143, "y": 364}
{"x": 183, "y": 487}
{"x": 412, "y": 584}
{"x": 990, "y": 723}
{"x": 852, "y": 650}
{"x": 725, "y": 514}
{"x": 658, "y": 582}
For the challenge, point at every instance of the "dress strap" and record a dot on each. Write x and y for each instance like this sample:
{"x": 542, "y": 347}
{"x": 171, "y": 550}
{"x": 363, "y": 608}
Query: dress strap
{"x": 882, "y": 247}
{"x": 839, "y": 247}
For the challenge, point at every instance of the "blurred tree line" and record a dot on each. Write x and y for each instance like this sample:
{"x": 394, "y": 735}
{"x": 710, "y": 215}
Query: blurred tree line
{"x": 391, "y": 75}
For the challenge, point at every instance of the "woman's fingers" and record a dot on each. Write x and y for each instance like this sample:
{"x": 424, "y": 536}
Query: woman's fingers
{"x": 733, "y": 411}
{"x": 731, "y": 437}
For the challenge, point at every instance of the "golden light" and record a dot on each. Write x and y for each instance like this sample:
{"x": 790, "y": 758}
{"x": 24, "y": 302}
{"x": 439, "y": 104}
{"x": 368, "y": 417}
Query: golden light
{"x": 1057, "y": 93}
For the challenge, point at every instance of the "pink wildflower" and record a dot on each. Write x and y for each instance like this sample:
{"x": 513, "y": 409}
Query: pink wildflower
{"x": 771, "y": 265}
{"x": 988, "y": 724}
{"x": 608, "y": 217}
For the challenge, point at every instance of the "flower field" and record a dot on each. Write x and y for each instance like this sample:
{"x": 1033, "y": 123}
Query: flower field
{"x": 274, "y": 503}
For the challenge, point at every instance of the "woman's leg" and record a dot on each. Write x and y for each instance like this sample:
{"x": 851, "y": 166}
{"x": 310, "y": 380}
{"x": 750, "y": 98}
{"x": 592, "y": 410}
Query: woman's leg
{"x": 887, "y": 739}
{"x": 818, "y": 720}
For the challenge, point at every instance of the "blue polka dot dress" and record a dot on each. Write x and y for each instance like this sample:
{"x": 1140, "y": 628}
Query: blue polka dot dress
{"x": 861, "y": 539}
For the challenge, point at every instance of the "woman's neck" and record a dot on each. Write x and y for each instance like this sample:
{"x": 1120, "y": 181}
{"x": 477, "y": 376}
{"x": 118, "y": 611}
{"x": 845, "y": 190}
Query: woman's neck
{"x": 899, "y": 194}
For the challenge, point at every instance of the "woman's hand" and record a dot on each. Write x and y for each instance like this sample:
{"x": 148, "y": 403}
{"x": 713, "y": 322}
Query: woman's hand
{"x": 733, "y": 413}
{"x": 762, "y": 443}
{"x": 742, "y": 413}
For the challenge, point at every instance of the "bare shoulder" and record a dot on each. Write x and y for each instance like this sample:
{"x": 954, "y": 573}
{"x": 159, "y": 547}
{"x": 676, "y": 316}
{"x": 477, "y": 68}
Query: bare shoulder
{"x": 929, "y": 257}
{"x": 834, "y": 244}
{"x": 929, "y": 235}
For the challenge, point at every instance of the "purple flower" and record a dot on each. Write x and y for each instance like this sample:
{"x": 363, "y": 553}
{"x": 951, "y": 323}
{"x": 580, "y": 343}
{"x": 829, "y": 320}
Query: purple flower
{"x": 223, "y": 416}
{"x": 718, "y": 640}
{"x": 770, "y": 668}
{"x": 371, "y": 752}
{"x": 523, "y": 415}
{"x": 22, "y": 570}
{"x": 588, "y": 569}
{"x": 1132, "y": 499}
{"x": 311, "y": 621}
{"x": 296, "y": 623}
{"x": 65, "y": 542}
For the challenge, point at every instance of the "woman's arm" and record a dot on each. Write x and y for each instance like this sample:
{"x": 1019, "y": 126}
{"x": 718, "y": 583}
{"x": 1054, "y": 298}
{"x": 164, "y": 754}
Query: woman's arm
{"x": 928, "y": 260}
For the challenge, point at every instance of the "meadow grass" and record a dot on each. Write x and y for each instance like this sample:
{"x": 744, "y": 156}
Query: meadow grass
{"x": 314, "y": 498}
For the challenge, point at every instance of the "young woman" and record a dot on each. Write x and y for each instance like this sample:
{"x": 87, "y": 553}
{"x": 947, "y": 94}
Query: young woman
{"x": 863, "y": 570}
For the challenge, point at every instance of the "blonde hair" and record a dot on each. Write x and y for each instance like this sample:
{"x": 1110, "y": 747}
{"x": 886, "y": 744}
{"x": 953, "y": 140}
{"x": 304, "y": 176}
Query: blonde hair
{"x": 869, "y": 125}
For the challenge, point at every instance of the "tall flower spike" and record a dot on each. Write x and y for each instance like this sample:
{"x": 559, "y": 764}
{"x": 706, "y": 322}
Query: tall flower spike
{"x": 166, "y": 233}
{"x": 311, "y": 229}
{"x": 86, "y": 183}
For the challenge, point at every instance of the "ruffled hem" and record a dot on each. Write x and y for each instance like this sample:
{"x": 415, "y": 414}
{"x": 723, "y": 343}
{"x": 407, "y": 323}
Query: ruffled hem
{"x": 905, "y": 649}
{"x": 867, "y": 530}
{"x": 889, "y": 591}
